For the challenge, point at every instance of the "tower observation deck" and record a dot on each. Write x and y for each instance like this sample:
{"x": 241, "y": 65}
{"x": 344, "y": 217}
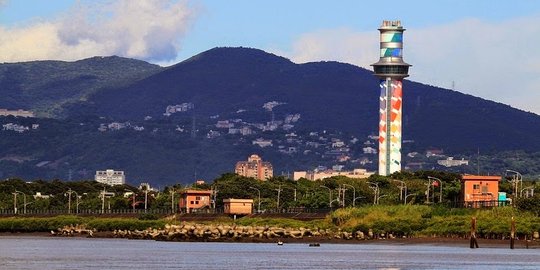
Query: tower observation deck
{"x": 391, "y": 69}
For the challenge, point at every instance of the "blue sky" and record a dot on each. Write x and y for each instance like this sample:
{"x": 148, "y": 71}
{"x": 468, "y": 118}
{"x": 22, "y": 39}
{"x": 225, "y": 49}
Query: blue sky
{"x": 485, "y": 47}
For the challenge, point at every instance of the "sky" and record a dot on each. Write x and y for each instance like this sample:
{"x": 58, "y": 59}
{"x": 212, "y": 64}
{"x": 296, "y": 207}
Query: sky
{"x": 484, "y": 48}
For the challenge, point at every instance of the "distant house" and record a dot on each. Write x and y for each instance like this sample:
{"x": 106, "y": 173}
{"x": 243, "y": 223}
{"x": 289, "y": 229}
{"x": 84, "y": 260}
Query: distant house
{"x": 480, "y": 191}
{"x": 18, "y": 113}
{"x": 238, "y": 206}
{"x": 369, "y": 150}
{"x": 194, "y": 200}
{"x": 262, "y": 142}
{"x": 434, "y": 153}
{"x": 451, "y": 162}
{"x": 224, "y": 124}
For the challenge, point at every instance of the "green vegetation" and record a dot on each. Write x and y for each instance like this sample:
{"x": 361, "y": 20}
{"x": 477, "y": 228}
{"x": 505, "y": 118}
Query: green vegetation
{"x": 46, "y": 224}
{"x": 391, "y": 215}
{"x": 421, "y": 220}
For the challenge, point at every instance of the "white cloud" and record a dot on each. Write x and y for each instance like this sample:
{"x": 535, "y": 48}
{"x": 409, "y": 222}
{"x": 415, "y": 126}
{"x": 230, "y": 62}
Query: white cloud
{"x": 496, "y": 61}
{"x": 143, "y": 29}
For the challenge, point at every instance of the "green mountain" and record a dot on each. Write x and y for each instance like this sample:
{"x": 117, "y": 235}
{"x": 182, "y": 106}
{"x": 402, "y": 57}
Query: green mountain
{"x": 175, "y": 124}
{"x": 45, "y": 86}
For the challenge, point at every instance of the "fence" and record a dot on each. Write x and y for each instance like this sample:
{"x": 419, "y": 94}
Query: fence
{"x": 132, "y": 212}
{"x": 56, "y": 212}
{"x": 477, "y": 204}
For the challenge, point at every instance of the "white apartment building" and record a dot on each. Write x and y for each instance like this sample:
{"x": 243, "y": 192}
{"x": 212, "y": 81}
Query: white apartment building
{"x": 319, "y": 175}
{"x": 111, "y": 177}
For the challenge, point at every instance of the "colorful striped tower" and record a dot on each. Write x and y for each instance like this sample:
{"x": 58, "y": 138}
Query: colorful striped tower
{"x": 391, "y": 69}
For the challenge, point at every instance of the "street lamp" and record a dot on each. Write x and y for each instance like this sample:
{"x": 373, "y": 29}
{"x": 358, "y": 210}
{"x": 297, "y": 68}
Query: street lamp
{"x": 103, "y": 201}
{"x": 132, "y": 199}
{"x": 24, "y": 201}
{"x": 259, "y": 200}
{"x": 407, "y": 196}
{"x": 79, "y": 202}
{"x": 359, "y": 197}
{"x": 375, "y": 187}
{"x": 379, "y": 197}
{"x": 529, "y": 188}
{"x": 69, "y": 192}
{"x": 401, "y": 188}
{"x": 279, "y": 189}
{"x": 15, "y": 201}
{"x": 354, "y": 194}
{"x": 427, "y": 191}
{"x": 515, "y": 179}
{"x": 329, "y": 196}
{"x": 440, "y": 187}
{"x": 172, "y": 199}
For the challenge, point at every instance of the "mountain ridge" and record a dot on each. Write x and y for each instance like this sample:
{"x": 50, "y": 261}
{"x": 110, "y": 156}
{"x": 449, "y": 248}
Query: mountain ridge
{"x": 163, "y": 124}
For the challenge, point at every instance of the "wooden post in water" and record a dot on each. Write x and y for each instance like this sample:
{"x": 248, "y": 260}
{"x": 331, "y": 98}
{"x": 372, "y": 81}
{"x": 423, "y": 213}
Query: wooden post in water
{"x": 474, "y": 243}
{"x": 512, "y": 233}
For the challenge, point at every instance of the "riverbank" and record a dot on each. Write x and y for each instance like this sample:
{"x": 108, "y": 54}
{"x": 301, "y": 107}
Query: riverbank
{"x": 432, "y": 241}
{"x": 436, "y": 241}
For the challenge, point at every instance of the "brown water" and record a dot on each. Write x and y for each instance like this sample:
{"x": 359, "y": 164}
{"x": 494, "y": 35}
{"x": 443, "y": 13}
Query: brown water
{"x": 85, "y": 253}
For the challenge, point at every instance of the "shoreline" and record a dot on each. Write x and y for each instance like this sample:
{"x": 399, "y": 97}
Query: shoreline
{"x": 432, "y": 241}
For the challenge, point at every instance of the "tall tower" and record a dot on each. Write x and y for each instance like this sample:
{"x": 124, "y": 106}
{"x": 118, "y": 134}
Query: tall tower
{"x": 391, "y": 69}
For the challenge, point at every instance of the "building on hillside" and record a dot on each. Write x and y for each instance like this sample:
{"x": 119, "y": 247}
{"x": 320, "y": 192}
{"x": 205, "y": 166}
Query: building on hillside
{"x": 451, "y": 162}
{"x": 262, "y": 143}
{"x": 192, "y": 200}
{"x": 18, "y": 113}
{"x": 322, "y": 174}
{"x": 480, "y": 191}
{"x": 255, "y": 167}
{"x": 110, "y": 177}
{"x": 238, "y": 206}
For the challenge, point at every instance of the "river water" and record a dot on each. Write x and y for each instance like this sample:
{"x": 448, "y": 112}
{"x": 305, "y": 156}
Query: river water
{"x": 93, "y": 253}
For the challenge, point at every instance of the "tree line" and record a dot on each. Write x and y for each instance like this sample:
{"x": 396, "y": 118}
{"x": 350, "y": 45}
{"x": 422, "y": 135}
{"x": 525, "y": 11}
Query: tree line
{"x": 276, "y": 193}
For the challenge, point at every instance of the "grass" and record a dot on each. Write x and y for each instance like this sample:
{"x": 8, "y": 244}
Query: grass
{"x": 400, "y": 220}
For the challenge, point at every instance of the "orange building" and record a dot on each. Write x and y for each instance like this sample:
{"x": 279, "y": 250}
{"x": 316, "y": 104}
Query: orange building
{"x": 238, "y": 206}
{"x": 191, "y": 200}
{"x": 255, "y": 167}
{"x": 480, "y": 191}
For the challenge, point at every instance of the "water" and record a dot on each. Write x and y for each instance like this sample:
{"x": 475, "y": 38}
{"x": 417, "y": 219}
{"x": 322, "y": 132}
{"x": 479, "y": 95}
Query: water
{"x": 87, "y": 253}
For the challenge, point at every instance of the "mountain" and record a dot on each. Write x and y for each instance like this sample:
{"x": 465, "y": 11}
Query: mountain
{"x": 169, "y": 125}
{"x": 327, "y": 94}
{"x": 45, "y": 86}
